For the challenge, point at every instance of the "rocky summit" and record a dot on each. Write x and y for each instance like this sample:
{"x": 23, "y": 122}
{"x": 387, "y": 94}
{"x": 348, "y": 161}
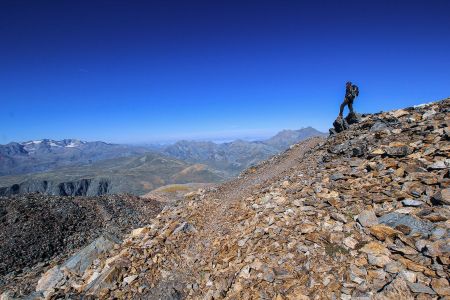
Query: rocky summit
{"x": 362, "y": 214}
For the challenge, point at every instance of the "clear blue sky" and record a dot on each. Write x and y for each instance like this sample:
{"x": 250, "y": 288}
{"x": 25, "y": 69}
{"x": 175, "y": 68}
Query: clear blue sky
{"x": 140, "y": 71}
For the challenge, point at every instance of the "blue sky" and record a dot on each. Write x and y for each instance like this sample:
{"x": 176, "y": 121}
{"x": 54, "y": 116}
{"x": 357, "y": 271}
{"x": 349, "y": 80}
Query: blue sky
{"x": 145, "y": 71}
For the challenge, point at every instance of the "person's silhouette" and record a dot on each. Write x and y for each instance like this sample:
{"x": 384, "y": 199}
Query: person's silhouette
{"x": 351, "y": 92}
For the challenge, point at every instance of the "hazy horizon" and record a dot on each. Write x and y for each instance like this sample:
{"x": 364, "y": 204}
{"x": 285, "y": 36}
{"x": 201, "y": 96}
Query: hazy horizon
{"x": 216, "y": 137}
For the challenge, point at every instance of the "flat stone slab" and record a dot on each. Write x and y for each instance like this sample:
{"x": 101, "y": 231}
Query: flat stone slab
{"x": 411, "y": 202}
{"x": 417, "y": 225}
{"x": 79, "y": 262}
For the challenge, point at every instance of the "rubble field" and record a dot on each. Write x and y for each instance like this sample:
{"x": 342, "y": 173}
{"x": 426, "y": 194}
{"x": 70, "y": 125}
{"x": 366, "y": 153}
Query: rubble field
{"x": 39, "y": 230}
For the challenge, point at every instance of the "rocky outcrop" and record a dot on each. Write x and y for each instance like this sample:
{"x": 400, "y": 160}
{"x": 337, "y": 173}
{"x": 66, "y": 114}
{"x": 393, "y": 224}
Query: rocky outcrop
{"x": 362, "y": 215}
{"x": 82, "y": 187}
{"x": 341, "y": 124}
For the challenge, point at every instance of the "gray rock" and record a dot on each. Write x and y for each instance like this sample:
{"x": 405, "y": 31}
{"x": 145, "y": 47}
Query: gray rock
{"x": 398, "y": 151}
{"x": 106, "y": 279}
{"x": 79, "y": 262}
{"x": 33, "y": 296}
{"x": 353, "y": 118}
{"x": 338, "y": 217}
{"x": 379, "y": 126}
{"x": 396, "y": 289}
{"x": 337, "y": 176}
{"x": 340, "y": 124}
{"x": 417, "y": 287}
{"x": 393, "y": 219}
{"x": 359, "y": 150}
{"x": 439, "y": 165}
{"x": 428, "y": 113}
{"x": 438, "y": 233}
{"x": 442, "y": 197}
{"x": 411, "y": 202}
{"x": 185, "y": 227}
{"x": 269, "y": 276}
{"x": 394, "y": 267}
{"x": 367, "y": 218}
{"x": 50, "y": 279}
{"x": 356, "y": 162}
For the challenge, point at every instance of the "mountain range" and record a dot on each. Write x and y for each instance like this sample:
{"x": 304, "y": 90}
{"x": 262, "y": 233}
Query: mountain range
{"x": 46, "y": 154}
{"x": 233, "y": 157}
{"x": 73, "y": 167}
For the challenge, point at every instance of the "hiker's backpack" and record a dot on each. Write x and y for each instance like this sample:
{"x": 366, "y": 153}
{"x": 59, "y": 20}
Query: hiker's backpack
{"x": 355, "y": 91}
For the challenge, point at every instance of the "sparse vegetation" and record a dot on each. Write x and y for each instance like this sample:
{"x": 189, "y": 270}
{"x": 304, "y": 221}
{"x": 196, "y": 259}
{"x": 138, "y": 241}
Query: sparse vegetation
{"x": 175, "y": 188}
{"x": 332, "y": 249}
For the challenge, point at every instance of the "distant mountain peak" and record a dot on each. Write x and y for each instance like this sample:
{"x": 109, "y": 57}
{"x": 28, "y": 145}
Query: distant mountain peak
{"x": 48, "y": 144}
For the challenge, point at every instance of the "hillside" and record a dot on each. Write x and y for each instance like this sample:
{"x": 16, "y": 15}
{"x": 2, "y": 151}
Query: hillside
{"x": 136, "y": 175}
{"x": 38, "y": 230}
{"x": 363, "y": 214}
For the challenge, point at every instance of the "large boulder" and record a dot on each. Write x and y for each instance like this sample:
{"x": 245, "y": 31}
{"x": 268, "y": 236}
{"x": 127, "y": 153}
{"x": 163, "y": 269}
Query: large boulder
{"x": 339, "y": 125}
{"x": 353, "y": 118}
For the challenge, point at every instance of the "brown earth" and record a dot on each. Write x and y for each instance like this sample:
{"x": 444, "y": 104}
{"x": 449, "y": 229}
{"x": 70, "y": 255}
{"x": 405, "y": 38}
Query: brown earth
{"x": 175, "y": 192}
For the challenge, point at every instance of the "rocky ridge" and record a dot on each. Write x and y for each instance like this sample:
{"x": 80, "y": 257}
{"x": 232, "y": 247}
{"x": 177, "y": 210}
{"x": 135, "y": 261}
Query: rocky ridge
{"x": 363, "y": 214}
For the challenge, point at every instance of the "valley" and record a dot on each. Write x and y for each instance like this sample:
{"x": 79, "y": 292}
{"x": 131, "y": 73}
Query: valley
{"x": 76, "y": 168}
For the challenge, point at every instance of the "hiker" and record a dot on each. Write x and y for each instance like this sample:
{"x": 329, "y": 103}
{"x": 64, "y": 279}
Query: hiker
{"x": 351, "y": 92}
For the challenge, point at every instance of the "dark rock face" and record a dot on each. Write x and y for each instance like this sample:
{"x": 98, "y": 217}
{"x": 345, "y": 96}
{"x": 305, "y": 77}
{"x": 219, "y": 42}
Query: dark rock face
{"x": 82, "y": 187}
